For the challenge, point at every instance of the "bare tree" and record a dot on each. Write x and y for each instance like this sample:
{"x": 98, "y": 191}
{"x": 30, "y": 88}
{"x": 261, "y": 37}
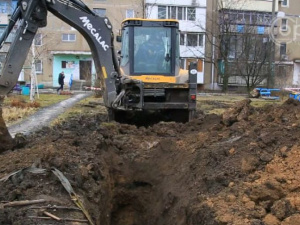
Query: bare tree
{"x": 240, "y": 43}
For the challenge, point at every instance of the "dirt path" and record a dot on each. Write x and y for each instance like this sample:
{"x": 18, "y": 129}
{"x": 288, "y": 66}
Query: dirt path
{"x": 241, "y": 168}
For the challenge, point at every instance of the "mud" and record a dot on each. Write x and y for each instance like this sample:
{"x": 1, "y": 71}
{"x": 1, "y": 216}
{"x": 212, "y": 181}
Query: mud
{"x": 6, "y": 140}
{"x": 238, "y": 168}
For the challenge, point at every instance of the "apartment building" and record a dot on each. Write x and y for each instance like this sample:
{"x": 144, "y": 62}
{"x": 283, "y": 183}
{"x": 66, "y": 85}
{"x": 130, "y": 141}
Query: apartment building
{"x": 192, "y": 24}
{"x": 287, "y": 40}
{"x": 238, "y": 31}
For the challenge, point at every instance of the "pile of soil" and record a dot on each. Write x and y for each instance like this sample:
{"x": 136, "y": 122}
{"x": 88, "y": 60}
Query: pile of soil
{"x": 240, "y": 168}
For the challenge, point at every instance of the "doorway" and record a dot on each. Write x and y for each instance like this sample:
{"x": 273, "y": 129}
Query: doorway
{"x": 85, "y": 70}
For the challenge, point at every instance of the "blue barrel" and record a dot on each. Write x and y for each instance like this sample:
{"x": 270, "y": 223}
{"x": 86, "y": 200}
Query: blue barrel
{"x": 25, "y": 91}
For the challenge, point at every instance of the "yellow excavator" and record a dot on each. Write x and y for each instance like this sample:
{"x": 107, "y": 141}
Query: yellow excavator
{"x": 146, "y": 76}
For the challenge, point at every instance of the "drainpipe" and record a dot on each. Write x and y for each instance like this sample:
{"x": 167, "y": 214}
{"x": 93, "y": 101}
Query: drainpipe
{"x": 213, "y": 64}
{"x": 213, "y": 47}
{"x": 270, "y": 80}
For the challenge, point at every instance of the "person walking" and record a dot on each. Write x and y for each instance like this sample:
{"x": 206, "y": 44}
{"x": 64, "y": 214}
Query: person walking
{"x": 61, "y": 81}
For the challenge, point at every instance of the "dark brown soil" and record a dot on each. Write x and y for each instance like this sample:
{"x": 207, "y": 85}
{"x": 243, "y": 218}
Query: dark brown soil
{"x": 241, "y": 168}
{"x": 6, "y": 141}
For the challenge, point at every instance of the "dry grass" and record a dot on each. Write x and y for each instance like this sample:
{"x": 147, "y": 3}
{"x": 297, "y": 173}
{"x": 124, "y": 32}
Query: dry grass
{"x": 219, "y": 103}
{"x": 18, "y": 107}
{"x": 14, "y": 114}
{"x": 20, "y": 103}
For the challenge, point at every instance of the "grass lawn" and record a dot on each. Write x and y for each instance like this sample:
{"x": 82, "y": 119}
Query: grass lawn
{"x": 219, "y": 103}
{"x": 17, "y": 107}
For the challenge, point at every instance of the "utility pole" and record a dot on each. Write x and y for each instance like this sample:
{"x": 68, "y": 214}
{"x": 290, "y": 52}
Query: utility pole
{"x": 271, "y": 74}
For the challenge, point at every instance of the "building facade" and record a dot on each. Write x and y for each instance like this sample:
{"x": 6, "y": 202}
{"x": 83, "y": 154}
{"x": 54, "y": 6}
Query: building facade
{"x": 287, "y": 40}
{"x": 192, "y": 24}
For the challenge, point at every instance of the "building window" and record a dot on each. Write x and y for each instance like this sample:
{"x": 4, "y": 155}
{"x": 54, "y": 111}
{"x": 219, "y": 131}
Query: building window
{"x": 175, "y": 12}
{"x": 38, "y": 66}
{"x": 285, "y": 3}
{"x": 100, "y": 11}
{"x": 191, "y": 13}
{"x": 283, "y": 49}
{"x": 129, "y": 13}
{"x": 2, "y": 29}
{"x": 67, "y": 64}
{"x": 245, "y": 17}
{"x": 181, "y": 13}
{"x": 182, "y": 37}
{"x": 8, "y": 7}
{"x": 162, "y": 12}
{"x": 172, "y": 12}
{"x": 38, "y": 39}
{"x": 69, "y": 37}
{"x": 192, "y": 39}
{"x": 200, "y": 40}
{"x": 284, "y": 24}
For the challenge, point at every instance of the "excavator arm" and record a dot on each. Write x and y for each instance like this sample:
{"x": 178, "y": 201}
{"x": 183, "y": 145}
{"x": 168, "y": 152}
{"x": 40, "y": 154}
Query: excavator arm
{"x": 32, "y": 14}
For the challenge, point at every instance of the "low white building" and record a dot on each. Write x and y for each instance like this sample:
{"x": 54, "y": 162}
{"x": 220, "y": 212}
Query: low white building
{"x": 192, "y": 21}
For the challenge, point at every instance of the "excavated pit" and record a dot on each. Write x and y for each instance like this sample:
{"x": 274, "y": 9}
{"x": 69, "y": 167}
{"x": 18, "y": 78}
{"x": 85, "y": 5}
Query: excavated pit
{"x": 238, "y": 168}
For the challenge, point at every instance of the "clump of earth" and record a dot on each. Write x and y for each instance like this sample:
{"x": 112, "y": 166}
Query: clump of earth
{"x": 239, "y": 168}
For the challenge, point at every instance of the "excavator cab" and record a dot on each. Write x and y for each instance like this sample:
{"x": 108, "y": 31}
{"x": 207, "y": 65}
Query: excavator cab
{"x": 150, "y": 54}
{"x": 150, "y": 50}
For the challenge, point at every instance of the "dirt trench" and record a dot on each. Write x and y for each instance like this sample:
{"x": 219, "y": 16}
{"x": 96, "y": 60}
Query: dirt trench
{"x": 238, "y": 168}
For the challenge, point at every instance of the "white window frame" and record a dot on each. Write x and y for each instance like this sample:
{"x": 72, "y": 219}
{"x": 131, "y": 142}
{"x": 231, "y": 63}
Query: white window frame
{"x": 182, "y": 39}
{"x": 284, "y": 27}
{"x": 285, "y": 5}
{"x": 185, "y": 36}
{"x": 283, "y": 45}
{"x": 192, "y": 13}
{"x": 40, "y": 62}
{"x": 38, "y": 39}
{"x": 129, "y": 13}
{"x": 69, "y": 39}
{"x": 184, "y": 10}
{"x": 102, "y": 10}
{"x": 164, "y": 15}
